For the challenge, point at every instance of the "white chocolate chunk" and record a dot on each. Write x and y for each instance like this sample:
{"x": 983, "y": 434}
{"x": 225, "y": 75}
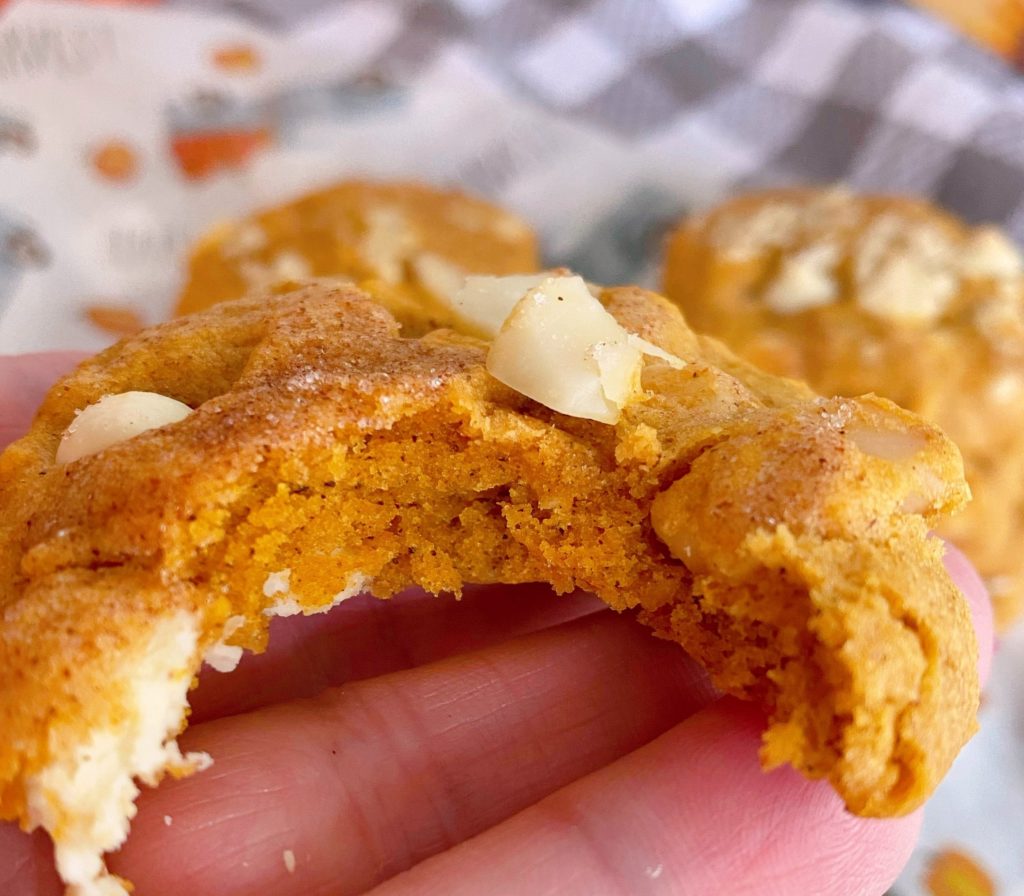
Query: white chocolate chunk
{"x": 805, "y": 280}
{"x": 990, "y": 253}
{"x": 905, "y": 271}
{"x": 745, "y": 236}
{"x": 1006, "y": 388}
{"x": 286, "y": 266}
{"x": 439, "y": 275}
{"x": 84, "y": 795}
{"x": 278, "y": 584}
{"x": 886, "y": 444}
{"x": 560, "y": 347}
{"x": 655, "y": 351}
{"x": 243, "y": 238}
{"x": 905, "y": 290}
{"x": 1000, "y": 319}
{"x": 486, "y": 301}
{"x": 117, "y": 418}
{"x": 289, "y": 265}
{"x": 388, "y": 242}
{"x": 224, "y": 657}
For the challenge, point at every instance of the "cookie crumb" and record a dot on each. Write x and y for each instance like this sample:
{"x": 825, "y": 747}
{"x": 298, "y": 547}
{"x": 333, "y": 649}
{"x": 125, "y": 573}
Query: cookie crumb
{"x": 289, "y": 861}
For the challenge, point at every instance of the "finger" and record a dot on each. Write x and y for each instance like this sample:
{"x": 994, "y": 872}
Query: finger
{"x": 13, "y": 848}
{"x": 973, "y": 588}
{"x": 365, "y": 637}
{"x": 693, "y": 813}
{"x": 26, "y": 864}
{"x": 690, "y": 813}
{"x": 376, "y": 776}
{"x": 24, "y": 380}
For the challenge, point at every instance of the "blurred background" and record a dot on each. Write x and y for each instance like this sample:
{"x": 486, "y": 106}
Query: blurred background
{"x": 129, "y": 129}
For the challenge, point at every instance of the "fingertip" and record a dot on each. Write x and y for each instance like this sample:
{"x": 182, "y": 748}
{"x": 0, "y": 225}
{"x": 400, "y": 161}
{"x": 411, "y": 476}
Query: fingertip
{"x": 26, "y": 863}
{"x": 817, "y": 845}
{"x": 694, "y": 811}
{"x": 799, "y": 837}
{"x": 966, "y": 577}
{"x": 24, "y": 380}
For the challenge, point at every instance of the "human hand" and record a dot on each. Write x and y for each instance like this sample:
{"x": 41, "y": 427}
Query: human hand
{"x": 511, "y": 743}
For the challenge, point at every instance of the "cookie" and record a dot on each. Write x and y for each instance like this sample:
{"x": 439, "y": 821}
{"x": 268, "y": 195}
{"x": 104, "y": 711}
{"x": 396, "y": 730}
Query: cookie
{"x": 416, "y": 241}
{"x": 281, "y": 456}
{"x": 885, "y": 294}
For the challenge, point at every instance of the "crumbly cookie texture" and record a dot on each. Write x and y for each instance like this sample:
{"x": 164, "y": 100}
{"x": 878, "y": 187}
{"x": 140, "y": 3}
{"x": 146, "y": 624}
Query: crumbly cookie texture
{"x": 417, "y": 242}
{"x": 780, "y": 538}
{"x": 885, "y": 294}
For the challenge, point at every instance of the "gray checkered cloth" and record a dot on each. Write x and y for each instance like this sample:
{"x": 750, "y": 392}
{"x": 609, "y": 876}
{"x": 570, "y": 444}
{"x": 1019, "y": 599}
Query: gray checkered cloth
{"x": 770, "y": 91}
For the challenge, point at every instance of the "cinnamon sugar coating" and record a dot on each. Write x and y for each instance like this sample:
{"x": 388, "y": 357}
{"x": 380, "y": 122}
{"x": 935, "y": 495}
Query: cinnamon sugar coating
{"x": 780, "y": 538}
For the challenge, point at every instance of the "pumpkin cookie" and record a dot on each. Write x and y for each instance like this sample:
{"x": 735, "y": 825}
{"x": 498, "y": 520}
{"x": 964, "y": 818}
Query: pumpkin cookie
{"x": 415, "y": 241}
{"x": 885, "y": 294}
{"x": 265, "y": 458}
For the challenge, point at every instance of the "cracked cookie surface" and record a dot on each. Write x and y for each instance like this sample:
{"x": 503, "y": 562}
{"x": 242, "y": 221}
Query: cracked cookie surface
{"x": 780, "y": 538}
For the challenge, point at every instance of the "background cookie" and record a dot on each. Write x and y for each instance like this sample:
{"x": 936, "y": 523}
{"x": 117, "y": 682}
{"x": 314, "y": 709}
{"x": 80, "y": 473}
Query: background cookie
{"x": 417, "y": 241}
{"x": 884, "y": 294}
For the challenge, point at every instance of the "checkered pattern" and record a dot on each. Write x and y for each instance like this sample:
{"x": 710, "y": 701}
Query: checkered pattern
{"x": 870, "y": 93}
{"x": 818, "y": 90}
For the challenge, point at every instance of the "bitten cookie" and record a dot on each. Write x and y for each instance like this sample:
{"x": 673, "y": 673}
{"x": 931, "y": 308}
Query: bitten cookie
{"x": 267, "y": 458}
{"x": 884, "y": 294}
{"x": 416, "y": 242}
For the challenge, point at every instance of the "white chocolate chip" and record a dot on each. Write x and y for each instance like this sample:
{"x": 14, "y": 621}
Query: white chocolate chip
{"x": 286, "y": 265}
{"x": 1006, "y": 388}
{"x": 117, "y": 418}
{"x": 560, "y": 347}
{"x": 388, "y": 242}
{"x": 1000, "y": 319}
{"x": 487, "y": 301}
{"x": 243, "y": 238}
{"x": 224, "y": 657}
{"x": 655, "y": 351}
{"x": 289, "y": 265}
{"x": 990, "y": 253}
{"x": 907, "y": 291}
{"x": 743, "y": 236}
{"x": 805, "y": 280}
{"x": 287, "y": 603}
{"x": 927, "y": 496}
{"x": 904, "y": 270}
{"x": 746, "y": 233}
{"x": 886, "y": 444}
{"x": 289, "y": 861}
{"x": 277, "y": 583}
{"x": 439, "y": 276}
